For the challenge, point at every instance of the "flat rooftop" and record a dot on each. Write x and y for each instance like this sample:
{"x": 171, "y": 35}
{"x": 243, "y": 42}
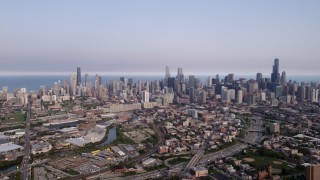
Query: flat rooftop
{"x": 9, "y": 147}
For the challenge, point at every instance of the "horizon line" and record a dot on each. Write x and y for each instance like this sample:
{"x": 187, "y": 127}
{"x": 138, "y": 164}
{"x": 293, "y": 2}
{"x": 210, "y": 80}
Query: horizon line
{"x": 67, "y": 73}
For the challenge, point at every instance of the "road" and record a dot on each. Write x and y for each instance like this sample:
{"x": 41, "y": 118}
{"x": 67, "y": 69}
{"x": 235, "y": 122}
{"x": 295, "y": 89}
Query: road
{"x": 230, "y": 151}
{"x": 202, "y": 160}
{"x": 195, "y": 159}
{"x": 206, "y": 159}
{"x": 19, "y": 170}
{"x": 253, "y": 136}
{"x": 25, "y": 168}
{"x": 254, "y": 133}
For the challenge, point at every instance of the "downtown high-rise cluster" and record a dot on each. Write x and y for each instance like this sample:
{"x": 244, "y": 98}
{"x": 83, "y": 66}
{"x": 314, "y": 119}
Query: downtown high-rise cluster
{"x": 180, "y": 89}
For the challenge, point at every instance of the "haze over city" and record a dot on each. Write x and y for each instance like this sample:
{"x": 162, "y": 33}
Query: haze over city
{"x": 161, "y": 90}
{"x": 203, "y": 37}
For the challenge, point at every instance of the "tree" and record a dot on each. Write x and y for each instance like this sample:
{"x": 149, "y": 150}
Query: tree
{"x": 284, "y": 171}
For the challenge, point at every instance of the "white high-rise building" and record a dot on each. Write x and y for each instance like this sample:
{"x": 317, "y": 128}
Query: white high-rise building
{"x": 283, "y": 77}
{"x": 209, "y": 82}
{"x": 73, "y": 83}
{"x": 232, "y": 94}
{"x": 315, "y": 95}
{"x": 145, "y": 96}
{"x": 263, "y": 96}
{"x": 240, "y": 97}
{"x": 167, "y": 72}
{"x": 226, "y": 94}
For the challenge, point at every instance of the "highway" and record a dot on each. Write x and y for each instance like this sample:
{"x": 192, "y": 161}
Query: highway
{"x": 25, "y": 168}
{"x": 254, "y": 132}
{"x": 195, "y": 159}
{"x": 198, "y": 159}
{"x": 253, "y": 137}
{"x": 230, "y": 151}
{"x": 204, "y": 160}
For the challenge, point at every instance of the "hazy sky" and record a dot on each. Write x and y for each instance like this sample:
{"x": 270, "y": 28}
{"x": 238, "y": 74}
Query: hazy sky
{"x": 143, "y": 36}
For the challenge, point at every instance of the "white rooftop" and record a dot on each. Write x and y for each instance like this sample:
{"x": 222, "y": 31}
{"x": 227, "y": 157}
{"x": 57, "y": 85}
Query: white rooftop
{"x": 3, "y": 136}
{"x": 69, "y": 129}
{"x": 77, "y": 141}
{"x": 9, "y": 147}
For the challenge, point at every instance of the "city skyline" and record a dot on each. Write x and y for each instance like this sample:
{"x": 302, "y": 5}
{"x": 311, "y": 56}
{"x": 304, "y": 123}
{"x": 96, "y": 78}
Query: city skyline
{"x": 165, "y": 89}
{"x": 114, "y": 37}
{"x": 168, "y": 72}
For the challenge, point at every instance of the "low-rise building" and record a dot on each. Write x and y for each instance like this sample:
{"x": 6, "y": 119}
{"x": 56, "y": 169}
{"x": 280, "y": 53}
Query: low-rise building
{"x": 7, "y": 147}
{"x": 312, "y": 172}
{"x": 149, "y": 162}
{"x": 40, "y": 147}
{"x": 275, "y": 128}
{"x": 163, "y": 149}
{"x": 199, "y": 171}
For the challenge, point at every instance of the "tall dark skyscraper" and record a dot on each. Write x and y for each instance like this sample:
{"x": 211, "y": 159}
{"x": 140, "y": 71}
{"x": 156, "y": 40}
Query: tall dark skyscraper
{"x": 192, "y": 81}
{"x": 259, "y": 77}
{"x": 283, "y": 77}
{"x": 180, "y": 75}
{"x": 217, "y": 79}
{"x": 275, "y": 75}
{"x": 191, "y": 95}
{"x": 171, "y": 82}
{"x": 78, "y": 76}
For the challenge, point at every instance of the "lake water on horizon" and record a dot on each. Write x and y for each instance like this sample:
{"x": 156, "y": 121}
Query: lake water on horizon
{"x": 33, "y": 82}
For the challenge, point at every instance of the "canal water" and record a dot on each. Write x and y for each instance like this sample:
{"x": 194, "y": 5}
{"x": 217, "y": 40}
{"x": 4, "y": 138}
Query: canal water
{"x": 112, "y": 135}
{"x": 7, "y": 169}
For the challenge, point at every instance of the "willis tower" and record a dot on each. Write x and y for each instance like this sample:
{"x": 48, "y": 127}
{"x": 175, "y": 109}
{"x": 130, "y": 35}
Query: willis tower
{"x": 275, "y": 75}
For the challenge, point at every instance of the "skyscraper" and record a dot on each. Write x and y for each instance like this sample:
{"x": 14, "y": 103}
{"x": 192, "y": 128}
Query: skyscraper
{"x": 209, "y": 81}
{"x": 283, "y": 77}
{"x": 78, "y": 76}
{"x": 192, "y": 81}
{"x": 171, "y": 81}
{"x": 239, "y": 96}
{"x": 275, "y": 75}
{"x": 203, "y": 97}
{"x": 259, "y": 77}
{"x": 314, "y": 95}
{"x": 180, "y": 75}
{"x": 73, "y": 84}
{"x": 145, "y": 96}
{"x": 166, "y": 77}
{"x": 167, "y": 72}
{"x": 98, "y": 81}
{"x": 229, "y": 78}
{"x": 191, "y": 95}
{"x": 86, "y": 79}
{"x": 217, "y": 79}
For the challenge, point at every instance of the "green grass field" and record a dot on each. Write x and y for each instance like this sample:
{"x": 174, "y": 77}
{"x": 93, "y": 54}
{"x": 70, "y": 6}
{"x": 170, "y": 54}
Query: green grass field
{"x": 178, "y": 160}
{"x": 260, "y": 161}
{"x": 13, "y": 118}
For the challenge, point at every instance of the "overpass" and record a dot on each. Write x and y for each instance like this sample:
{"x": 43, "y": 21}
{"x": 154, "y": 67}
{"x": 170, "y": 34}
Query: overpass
{"x": 25, "y": 168}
